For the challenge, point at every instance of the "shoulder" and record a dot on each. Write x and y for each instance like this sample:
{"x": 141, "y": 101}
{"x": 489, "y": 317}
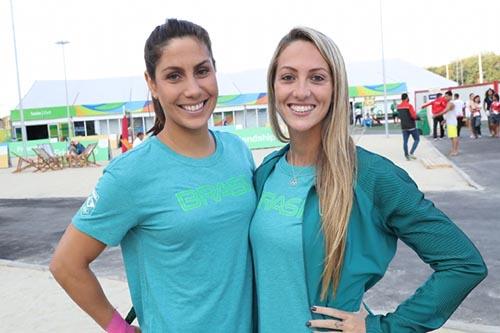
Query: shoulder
{"x": 374, "y": 169}
{"x": 269, "y": 162}
{"x": 133, "y": 161}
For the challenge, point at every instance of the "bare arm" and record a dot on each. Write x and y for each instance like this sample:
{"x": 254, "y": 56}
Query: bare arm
{"x": 449, "y": 106}
{"x": 70, "y": 268}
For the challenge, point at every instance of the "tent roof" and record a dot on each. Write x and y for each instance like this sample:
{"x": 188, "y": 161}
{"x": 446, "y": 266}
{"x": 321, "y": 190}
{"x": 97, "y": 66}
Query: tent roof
{"x": 52, "y": 93}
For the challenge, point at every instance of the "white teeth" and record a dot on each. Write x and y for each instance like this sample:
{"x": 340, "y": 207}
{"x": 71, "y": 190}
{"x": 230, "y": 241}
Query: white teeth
{"x": 301, "y": 108}
{"x": 193, "y": 108}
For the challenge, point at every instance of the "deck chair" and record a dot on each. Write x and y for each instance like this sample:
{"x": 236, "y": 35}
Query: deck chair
{"x": 28, "y": 163}
{"x": 57, "y": 160}
{"x": 87, "y": 158}
{"x": 45, "y": 161}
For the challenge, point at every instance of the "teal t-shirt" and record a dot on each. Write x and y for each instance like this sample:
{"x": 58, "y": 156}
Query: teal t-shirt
{"x": 182, "y": 224}
{"x": 276, "y": 238}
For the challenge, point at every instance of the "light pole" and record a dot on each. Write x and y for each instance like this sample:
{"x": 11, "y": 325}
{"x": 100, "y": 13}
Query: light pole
{"x": 21, "y": 111}
{"x": 62, "y": 43}
{"x": 386, "y": 118}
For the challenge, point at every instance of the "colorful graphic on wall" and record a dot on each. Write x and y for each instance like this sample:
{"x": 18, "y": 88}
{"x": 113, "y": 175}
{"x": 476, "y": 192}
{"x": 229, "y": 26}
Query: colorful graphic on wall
{"x": 118, "y": 108}
{"x": 378, "y": 90}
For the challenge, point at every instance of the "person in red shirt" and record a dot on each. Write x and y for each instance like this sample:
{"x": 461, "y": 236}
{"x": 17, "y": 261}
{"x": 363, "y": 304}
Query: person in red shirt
{"x": 495, "y": 116}
{"x": 408, "y": 116}
{"x": 438, "y": 106}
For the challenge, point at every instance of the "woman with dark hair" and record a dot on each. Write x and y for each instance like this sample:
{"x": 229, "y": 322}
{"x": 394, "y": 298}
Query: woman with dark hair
{"x": 184, "y": 234}
{"x": 495, "y": 115}
{"x": 475, "y": 107}
{"x": 330, "y": 214}
{"x": 488, "y": 99}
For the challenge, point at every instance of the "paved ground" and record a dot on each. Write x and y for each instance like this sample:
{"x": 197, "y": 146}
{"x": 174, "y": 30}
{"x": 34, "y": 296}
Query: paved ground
{"x": 30, "y": 228}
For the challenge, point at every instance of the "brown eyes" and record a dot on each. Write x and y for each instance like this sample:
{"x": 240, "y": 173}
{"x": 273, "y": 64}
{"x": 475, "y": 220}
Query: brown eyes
{"x": 177, "y": 76}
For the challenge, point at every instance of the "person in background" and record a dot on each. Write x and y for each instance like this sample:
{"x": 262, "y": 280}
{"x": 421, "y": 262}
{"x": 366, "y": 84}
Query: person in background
{"x": 488, "y": 99}
{"x": 75, "y": 149}
{"x": 394, "y": 111}
{"x": 138, "y": 139}
{"x": 437, "y": 107}
{"x": 330, "y": 214}
{"x": 184, "y": 235}
{"x": 450, "y": 117}
{"x": 408, "y": 116}
{"x": 459, "y": 109}
{"x": 475, "y": 107}
{"x": 468, "y": 115}
{"x": 495, "y": 115}
{"x": 359, "y": 116}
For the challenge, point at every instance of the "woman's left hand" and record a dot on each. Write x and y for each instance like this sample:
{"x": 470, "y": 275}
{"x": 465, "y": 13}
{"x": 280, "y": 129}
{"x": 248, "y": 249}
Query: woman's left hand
{"x": 348, "y": 322}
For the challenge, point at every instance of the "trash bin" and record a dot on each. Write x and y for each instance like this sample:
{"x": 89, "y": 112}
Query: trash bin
{"x": 423, "y": 123}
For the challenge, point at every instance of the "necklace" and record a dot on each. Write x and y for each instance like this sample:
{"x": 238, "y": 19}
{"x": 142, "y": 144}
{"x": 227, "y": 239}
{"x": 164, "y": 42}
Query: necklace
{"x": 294, "y": 181}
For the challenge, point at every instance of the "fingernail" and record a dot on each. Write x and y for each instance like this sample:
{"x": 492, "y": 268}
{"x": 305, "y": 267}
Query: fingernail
{"x": 308, "y": 324}
{"x": 313, "y": 309}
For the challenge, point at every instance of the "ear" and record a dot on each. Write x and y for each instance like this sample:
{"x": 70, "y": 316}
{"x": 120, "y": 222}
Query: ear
{"x": 151, "y": 85}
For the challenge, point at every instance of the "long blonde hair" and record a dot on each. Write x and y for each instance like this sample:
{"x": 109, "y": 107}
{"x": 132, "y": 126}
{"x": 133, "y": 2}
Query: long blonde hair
{"x": 336, "y": 167}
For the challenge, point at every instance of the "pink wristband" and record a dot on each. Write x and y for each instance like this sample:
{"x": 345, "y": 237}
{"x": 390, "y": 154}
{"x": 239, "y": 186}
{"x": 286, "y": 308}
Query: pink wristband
{"x": 119, "y": 325}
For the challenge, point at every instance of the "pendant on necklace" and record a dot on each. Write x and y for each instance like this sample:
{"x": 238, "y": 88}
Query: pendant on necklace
{"x": 293, "y": 181}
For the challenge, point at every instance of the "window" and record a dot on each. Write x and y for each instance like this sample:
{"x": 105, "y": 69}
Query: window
{"x": 90, "y": 126}
{"x": 79, "y": 128}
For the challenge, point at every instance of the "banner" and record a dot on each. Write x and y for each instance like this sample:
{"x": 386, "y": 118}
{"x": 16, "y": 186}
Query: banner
{"x": 378, "y": 90}
{"x": 4, "y": 155}
{"x": 54, "y": 112}
{"x": 101, "y": 151}
{"x": 258, "y": 137}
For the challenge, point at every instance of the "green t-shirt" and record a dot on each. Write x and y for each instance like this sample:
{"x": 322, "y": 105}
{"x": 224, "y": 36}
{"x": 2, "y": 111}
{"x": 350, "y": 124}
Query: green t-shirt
{"x": 182, "y": 224}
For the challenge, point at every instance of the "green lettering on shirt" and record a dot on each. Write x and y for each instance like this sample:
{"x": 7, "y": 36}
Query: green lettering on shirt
{"x": 212, "y": 193}
{"x": 280, "y": 204}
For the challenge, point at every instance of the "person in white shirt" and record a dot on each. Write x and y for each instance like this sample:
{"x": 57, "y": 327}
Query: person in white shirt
{"x": 459, "y": 109}
{"x": 450, "y": 116}
{"x": 468, "y": 115}
{"x": 138, "y": 139}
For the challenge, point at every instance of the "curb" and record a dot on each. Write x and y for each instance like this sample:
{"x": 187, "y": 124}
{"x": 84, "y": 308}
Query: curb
{"x": 462, "y": 173}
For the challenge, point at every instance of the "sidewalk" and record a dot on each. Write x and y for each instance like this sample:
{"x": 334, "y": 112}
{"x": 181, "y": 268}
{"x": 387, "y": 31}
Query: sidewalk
{"x": 32, "y": 300}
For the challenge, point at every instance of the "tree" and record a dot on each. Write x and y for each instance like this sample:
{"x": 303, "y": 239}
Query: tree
{"x": 491, "y": 69}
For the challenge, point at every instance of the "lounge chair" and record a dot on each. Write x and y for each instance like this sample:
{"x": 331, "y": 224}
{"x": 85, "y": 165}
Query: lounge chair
{"x": 45, "y": 161}
{"x": 87, "y": 158}
{"x": 56, "y": 159}
{"x": 28, "y": 163}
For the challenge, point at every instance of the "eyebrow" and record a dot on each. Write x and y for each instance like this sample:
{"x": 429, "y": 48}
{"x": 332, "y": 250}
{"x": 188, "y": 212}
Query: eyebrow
{"x": 311, "y": 70}
{"x": 176, "y": 68}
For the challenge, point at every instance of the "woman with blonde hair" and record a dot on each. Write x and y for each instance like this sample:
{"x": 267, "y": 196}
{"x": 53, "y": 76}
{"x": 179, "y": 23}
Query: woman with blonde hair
{"x": 330, "y": 213}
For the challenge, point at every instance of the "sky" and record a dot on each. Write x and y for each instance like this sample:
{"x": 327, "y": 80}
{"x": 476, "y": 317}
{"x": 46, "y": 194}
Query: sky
{"x": 107, "y": 36}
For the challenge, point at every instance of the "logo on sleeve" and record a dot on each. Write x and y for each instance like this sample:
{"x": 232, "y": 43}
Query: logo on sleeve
{"x": 89, "y": 204}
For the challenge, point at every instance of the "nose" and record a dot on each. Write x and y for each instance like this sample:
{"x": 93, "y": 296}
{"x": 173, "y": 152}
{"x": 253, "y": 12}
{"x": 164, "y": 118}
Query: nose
{"x": 302, "y": 90}
{"x": 192, "y": 88}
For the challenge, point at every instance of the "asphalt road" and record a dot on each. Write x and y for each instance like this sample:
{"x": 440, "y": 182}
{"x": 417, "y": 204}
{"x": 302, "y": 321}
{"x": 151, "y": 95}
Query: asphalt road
{"x": 30, "y": 230}
{"x": 477, "y": 214}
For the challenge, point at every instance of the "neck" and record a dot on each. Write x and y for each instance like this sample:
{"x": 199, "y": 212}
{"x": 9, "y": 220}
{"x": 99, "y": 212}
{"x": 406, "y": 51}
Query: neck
{"x": 304, "y": 149}
{"x": 191, "y": 143}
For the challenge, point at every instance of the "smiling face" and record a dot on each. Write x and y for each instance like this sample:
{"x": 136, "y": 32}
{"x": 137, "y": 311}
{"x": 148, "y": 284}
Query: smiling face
{"x": 303, "y": 87}
{"x": 185, "y": 85}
